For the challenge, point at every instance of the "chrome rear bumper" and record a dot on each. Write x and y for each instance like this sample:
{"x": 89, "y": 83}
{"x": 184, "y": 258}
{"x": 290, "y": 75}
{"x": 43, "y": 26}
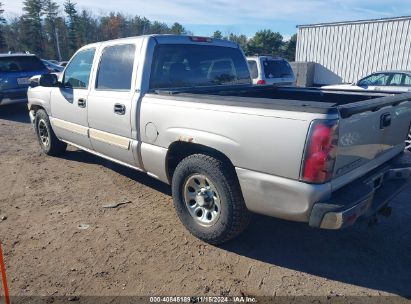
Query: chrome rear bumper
{"x": 363, "y": 197}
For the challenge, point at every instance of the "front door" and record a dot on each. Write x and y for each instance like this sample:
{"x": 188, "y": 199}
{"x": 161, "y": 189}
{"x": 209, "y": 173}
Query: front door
{"x": 110, "y": 102}
{"x": 69, "y": 101}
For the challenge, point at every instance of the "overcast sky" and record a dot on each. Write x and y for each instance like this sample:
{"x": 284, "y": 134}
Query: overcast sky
{"x": 203, "y": 17}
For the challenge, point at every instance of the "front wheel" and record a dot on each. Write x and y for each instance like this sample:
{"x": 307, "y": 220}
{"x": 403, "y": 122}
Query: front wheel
{"x": 48, "y": 141}
{"x": 208, "y": 199}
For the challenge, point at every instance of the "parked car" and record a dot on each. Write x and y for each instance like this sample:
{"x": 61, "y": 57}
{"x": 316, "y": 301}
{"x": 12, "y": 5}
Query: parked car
{"x": 53, "y": 61}
{"x": 384, "y": 81}
{"x": 183, "y": 110}
{"x": 269, "y": 70}
{"x": 53, "y": 68}
{"x": 15, "y": 72}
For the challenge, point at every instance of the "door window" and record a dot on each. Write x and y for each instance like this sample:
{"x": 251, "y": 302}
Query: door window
{"x": 407, "y": 80}
{"x": 77, "y": 73}
{"x": 116, "y": 68}
{"x": 396, "y": 79}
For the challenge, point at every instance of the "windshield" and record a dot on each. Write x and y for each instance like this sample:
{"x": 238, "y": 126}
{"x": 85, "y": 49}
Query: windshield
{"x": 379, "y": 79}
{"x": 177, "y": 66}
{"x": 21, "y": 64}
{"x": 277, "y": 69}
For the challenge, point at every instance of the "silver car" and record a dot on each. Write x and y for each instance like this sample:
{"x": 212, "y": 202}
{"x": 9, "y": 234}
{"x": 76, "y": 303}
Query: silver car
{"x": 384, "y": 81}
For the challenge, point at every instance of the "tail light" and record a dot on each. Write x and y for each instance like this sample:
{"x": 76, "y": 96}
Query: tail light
{"x": 320, "y": 151}
{"x": 200, "y": 39}
{"x": 261, "y": 81}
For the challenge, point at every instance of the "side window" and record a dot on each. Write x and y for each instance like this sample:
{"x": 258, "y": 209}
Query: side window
{"x": 374, "y": 80}
{"x": 407, "y": 80}
{"x": 253, "y": 69}
{"x": 116, "y": 68}
{"x": 395, "y": 80}
{"x": 77, "y": 73}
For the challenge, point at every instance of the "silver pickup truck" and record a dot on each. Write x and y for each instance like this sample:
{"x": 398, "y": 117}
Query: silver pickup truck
{"x": 183, "y": 110}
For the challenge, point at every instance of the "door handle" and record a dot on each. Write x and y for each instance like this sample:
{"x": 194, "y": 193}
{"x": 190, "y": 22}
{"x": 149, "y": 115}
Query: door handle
{"x": 119, "y": 109}
{"x": 81, "y": 102}
{"x": 385, "y": 120}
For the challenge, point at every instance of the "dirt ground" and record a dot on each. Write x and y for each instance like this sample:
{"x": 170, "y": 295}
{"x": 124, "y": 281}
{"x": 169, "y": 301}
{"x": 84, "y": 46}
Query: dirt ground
{"x": 58, "y": 240}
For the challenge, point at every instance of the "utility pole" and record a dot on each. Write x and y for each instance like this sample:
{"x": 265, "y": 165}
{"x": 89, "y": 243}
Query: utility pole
{"x": 58, "y": 43}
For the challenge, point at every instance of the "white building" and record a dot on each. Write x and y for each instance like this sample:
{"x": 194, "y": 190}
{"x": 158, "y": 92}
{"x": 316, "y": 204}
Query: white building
{"x": 347, "y": 51}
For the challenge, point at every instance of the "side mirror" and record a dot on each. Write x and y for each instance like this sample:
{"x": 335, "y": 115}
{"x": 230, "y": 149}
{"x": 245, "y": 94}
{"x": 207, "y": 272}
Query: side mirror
{"x": 48, "y": 80}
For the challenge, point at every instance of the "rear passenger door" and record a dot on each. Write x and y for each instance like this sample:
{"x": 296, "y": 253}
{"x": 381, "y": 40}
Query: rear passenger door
{"x": 111, "y": 100}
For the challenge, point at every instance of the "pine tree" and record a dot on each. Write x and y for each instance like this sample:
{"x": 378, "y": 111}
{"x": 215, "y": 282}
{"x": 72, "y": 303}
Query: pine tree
{"x": 32, "y": 26}
{"x": 177, "y": 29}
{"x": 51, "y": 11}
{"x": 289, "y": 48}
{"x": 218, "y": 35}
{"x": 71, "y": 11}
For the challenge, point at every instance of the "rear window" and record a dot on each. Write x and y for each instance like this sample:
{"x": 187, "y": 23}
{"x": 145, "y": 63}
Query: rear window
{"x": 277, "y": 69}
{"x": 176, "y": 66}
{"x": 21, "y": 64}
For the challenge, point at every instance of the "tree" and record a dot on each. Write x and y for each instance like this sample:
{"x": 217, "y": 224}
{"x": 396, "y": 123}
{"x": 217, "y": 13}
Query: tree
{"x": 32, "y": 26}
{"x": 87, "y": 28}
{"x": 139, "y": 26}
{"x": 2, "y": 23}
{"x": 177, "y": 29}
{"x": 217, "y": 35}
{"x": 71, "y": 11}
{"x": 113, "y": 26}
{"x": 265, "y": 42}
{"x": 51, "y": 11}
{"x": 240, "y": 39}
{"x": 289, "y": 48}
{"x": 159, "y": 28}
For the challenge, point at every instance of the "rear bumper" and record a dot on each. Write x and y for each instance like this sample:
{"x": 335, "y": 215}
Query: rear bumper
{"x": 363, "y": 197}
{"x": 13, "y": 96}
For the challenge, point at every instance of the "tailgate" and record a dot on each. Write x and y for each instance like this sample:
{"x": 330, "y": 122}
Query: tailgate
{"x": 371, "y": 130}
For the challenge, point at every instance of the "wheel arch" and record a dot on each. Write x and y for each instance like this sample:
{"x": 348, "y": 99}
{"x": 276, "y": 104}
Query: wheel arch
{"x": 179, "y": 150}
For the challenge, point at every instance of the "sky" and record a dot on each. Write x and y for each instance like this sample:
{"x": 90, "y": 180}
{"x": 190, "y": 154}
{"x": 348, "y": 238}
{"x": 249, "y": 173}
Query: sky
{"x": 203, "y": 17}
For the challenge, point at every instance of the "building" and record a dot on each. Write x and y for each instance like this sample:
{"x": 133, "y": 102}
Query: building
{"x": 347, "y": 51}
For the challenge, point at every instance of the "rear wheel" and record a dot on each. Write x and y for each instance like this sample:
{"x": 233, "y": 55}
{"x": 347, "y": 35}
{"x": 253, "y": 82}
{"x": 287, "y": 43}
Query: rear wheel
{"x": 208, "y": 199}
{"x": 408, "y": 142}
{"x": 48, "y": 141}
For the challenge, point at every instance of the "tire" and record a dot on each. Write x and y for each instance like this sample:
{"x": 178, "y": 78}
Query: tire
{"x": 48, "y": 141}
{"x": 211, "y": 208}
{"x": 408, "y": 142}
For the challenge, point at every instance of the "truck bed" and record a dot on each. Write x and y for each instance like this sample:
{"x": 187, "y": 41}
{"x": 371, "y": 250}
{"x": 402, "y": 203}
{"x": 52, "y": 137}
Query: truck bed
{"x": 364, "y": 142}
{"x": 313, "y": 100}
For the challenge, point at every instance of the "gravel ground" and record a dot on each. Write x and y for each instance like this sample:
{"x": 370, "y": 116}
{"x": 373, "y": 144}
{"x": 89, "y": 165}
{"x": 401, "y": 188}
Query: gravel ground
{"x": 59, "y": 241}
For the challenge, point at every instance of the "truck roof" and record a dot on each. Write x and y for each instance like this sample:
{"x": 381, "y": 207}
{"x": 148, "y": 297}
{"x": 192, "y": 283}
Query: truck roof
{"x": 170, "y": 39}
{"x": 265, "y": 57}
